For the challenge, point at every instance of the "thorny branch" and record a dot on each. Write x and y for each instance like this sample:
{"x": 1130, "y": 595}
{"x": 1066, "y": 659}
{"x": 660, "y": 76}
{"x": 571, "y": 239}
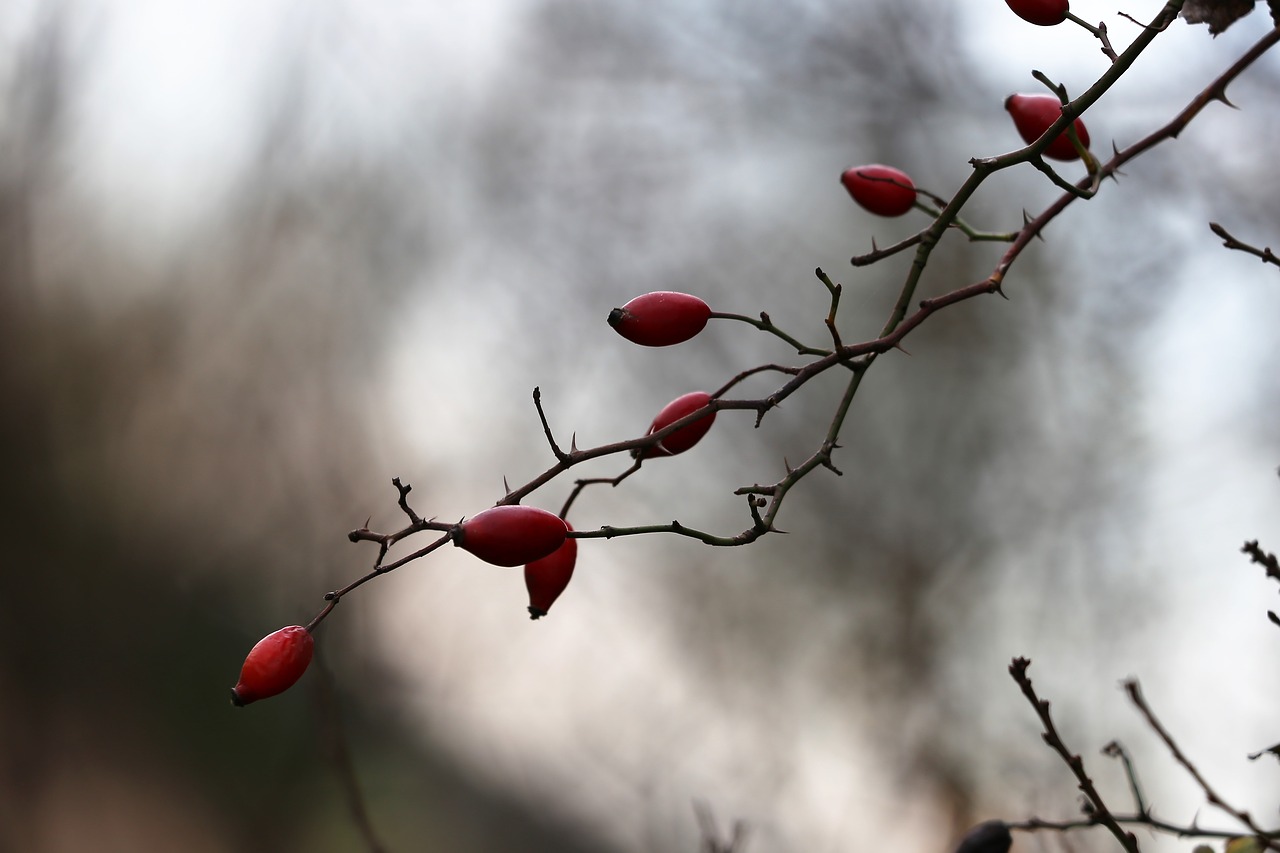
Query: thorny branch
{"x": 1096, "y": 813}
{"x": 764, "y": 501}
{"x": 1211, "y": 795}
{"x": 1096, "y": 808}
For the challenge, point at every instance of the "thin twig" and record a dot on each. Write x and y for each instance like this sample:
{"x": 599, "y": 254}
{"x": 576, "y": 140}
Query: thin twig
{"x": 1267, "y": 256}
{"x": 546, "y": 427}
{"x": 1132, "y": 688}
{"x": 334, "y": 741}
{"x": 1115, "y": 750}
{"x": 1098, "y": 809}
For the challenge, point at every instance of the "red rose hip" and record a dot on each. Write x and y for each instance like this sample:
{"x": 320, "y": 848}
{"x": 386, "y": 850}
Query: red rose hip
{"x": 511, "y": 535}
{"x": 547, "y": 578}
{"x": 661, "y": 318}
{"x": 1032, "y": 115}
{"x": 685, "y": 437}
{"x": 1043, "y": 13}
{"x": 274, "y": 665}
{"x": 883, "y": 190}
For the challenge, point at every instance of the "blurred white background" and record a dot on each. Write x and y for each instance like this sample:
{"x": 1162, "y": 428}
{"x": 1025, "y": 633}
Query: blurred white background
{"x": 264, "y": 257}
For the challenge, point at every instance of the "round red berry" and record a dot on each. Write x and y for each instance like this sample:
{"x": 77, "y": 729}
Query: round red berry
{"x": 274, "y": 665}
{"x": 1032, "y": 115}
{"x": 661, "y": 318}
{"x": 1044, "y": 13}
{"x": 546, "y": 578}
{"x": 511, "y": 535}
{"x": 685, "y": 437}
{"x": 883, "y": 190}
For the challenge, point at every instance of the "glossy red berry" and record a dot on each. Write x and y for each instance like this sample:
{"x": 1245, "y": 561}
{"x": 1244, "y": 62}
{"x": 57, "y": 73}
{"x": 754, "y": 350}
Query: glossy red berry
{"x": 883, "y": 190}
{"x": 685, "y": 437}
{"x": 273, "y": 665}
{"x": 547, "y": 578}
{"x": 1044, "y": 13}
{"x": 661, "y": 318}
{"x": 511, "y": 535}
{"x": 1032, "y": 115}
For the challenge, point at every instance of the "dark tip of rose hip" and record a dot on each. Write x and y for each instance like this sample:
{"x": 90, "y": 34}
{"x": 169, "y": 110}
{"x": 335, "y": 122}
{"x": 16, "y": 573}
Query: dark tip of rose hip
{"x": 236, "y": 700}
{"x": 535, "y": 613}
{"x": 616, "y": 316}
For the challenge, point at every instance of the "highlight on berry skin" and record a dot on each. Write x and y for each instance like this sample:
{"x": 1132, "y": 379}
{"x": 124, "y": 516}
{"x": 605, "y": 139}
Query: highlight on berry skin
{"x": 274, "y": 665}
{"x": 660, "y": 319}
{"x": 883, "y": 190}
{"x": 685, "y": 437}
{"x": 1033, "y": 114}
{"x": 511, "y": 535}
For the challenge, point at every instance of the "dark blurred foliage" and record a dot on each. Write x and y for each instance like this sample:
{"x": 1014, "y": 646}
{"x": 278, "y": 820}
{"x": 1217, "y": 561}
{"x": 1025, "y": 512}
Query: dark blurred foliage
{"x": 181, "y": 465}
{"x": 179, "y": 470}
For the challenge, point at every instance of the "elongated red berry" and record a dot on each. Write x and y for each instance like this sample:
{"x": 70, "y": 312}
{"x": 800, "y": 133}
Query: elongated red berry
{"x": 1043, "y": 13}
{"x": 685, "y": 437}
{"x": 883, "y": 190}
{"x": 1032, "y": 115}
{"x": 273, "y": 665}
{"x": 511, "y": 535}
{"x": 661, "y": 318}
{"x": 546, "y": 578}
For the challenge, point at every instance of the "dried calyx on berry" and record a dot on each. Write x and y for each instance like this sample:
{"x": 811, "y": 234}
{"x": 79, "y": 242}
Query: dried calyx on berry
{"x": 660, "y": 319}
